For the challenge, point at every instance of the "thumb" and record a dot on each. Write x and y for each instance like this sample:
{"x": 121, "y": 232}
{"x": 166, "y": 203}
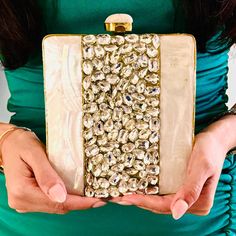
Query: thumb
{"x": 47, "y": 178}
{"x": 189, "y": 193}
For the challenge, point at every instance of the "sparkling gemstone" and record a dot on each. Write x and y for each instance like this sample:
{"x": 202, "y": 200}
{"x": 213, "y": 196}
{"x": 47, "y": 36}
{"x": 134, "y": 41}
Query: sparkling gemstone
{"x": 102, "y": 140}
{"x": 111, "y": 48}
{"x": 128, "y": 147}
{"x": 142, "y": 184}
{"x": 126, "y": 71}
{"x": 112, "y": 79}
{"x": 133, "y": 135}
{"x": 152, "y": 179}
{"x": 130, "y": 58}
{"x": 142, "y": 144}
{"x": 125, "y": 119}
{"x": 156, "y": 41}
{"x": 104, "y": 86}
{"x": 123, "y": 136}
{"x": 96, "y": 170}
{"x": 105, "y": 166}
{"x": 118, "y": 39}
{"x": 139, "y": 165}
{"x": 139, "y": 106}
{"x": 134, "y": 79}
{"x": 89, "y": 39}
{"x": 129, "y": 159}
{"x": 95, "y": 89}
{"x": 98, "y": 128}
{"x": 97, "y": 159}
{"x": 153, "y": 112}
{"x": 107, "y": 147}
{"x": 103, "y": 106}
{"x": 89, "y": 191}
{"x": 123, "y": 186}
{"x": 153, "y": 169}
{"x": 88, "y": 121}
{"x": 118, "y": 125}
{"x": 99, "y": 51}
{"x": 98, "y": 75}
{"x": 139, "y": 115}
{"x": 154, "y": 137}
{"x": 153, "y": 65}
{"x": 90, "y": 107}
{"x": 87, "y": 67}
{"x": 130, "y": 125}
{"x": 116, "y": 152}
{"x": 142, "y": 174}
{"x": 144, "y": 134}
{"x": 104, "y": 183}
{"x": 132, "y": 171}
{"x": 114, "y": 179}
{"x": 103, "y": 39}
{"x": 152, "y": 78}
{"x": 124, "y": 175}
{"x": 143, "y": 60}
{"x": 141, "y": 125}
{"x": 128, "y": 100}
{"x": 86, "y": 82}
{"x": 114, "y": 192}
{"x": 127, "y": 109}
{"x": 131, "y": 88}
{"x": 142, "y": 73}
{"x": 89, "y": 178}
{"x": 110, "y": 158}
{"x": 139, "y": 154}
{"x": 88, "y": 52}
{"x": 152, "y": 190}
{"x": 92, "y": 141}
{"x": 126, "y": 48}
{"x": 92, "y": 150}
{"x": 138, "y": 96}
{"x": 116, "y": 68}
{"x": 154, "y": 124}
{"x": 133, "y": 184}
{"x": 141, "y": 85}
{"x": 98, "y": 64}
{"x": 152, "y": 91}
{"x": 140, "y": 47}
{"x": 117, "y": 114}
{"x": 151, "y": 51}
{"x": 95, "y": 183}
{"x": 132, "y": 38}
{"x": 105, "y": 115}
{"x": 101, "y": 193}
{"x": 147, "y": 158}
{"x": 88, "y": 134}
{"x": 117, "y": 167}
{"x": 106, "y": 69}
{"x": 108, "y": 126}
{"x": 115, "y": 56}
{"x": 147, "y": 117}
{"x": 89, "y": 96}
{"x": 146, "y": 38}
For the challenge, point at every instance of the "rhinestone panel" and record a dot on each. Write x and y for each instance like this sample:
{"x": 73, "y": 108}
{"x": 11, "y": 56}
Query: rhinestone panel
{"x": 121, "y": 123}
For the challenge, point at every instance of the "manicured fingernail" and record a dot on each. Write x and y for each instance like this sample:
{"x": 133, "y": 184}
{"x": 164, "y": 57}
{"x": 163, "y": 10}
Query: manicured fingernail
{"x": 57, "y": 193}
{"x": 179, "y": 209}
{"x": 99, "y": 204}
{"x": 124, "y": 203}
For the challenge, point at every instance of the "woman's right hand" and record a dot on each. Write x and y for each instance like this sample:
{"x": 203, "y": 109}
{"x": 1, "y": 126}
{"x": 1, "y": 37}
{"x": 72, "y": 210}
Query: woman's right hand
{"x": 32, "y": 184}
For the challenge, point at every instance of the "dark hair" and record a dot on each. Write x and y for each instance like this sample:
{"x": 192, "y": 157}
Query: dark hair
{"x": 21, "y": 29}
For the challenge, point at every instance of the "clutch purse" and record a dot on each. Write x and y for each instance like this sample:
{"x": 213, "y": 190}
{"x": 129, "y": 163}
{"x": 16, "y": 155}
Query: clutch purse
{"x": 120, "y": 109}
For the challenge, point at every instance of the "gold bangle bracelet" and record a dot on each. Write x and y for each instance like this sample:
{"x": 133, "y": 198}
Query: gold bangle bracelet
{"x": 2, "y": 139}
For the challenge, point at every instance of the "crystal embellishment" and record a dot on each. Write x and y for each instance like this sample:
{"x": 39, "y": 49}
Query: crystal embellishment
{"x": 121, "y": 122}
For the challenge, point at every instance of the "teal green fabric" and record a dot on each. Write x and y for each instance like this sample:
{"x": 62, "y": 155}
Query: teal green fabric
{"x": 27, "y": 102}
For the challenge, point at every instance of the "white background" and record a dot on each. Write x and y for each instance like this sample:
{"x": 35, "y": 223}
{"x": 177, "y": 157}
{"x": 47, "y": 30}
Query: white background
{"x": 4, "y": 94}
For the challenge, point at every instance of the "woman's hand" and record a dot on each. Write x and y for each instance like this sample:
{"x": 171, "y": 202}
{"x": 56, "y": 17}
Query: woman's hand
{"x": 32, "y": 184}
{"x": 196, "y": 195}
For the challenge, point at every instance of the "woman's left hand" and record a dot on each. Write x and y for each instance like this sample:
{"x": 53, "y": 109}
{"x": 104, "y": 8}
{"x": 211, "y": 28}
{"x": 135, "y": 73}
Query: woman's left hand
{"x": 196, "y": 195}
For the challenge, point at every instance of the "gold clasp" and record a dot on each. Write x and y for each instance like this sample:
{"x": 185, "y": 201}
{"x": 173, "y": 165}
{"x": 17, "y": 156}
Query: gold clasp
{"x": 119, "y": 23}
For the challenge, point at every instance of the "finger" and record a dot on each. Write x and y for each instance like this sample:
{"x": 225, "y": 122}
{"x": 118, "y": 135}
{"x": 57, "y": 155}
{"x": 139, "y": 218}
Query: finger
{"x": 160, "y": 204}
{"x": 36, "y": 201}
{"x": 47, "y": 178}
{"x": 189, "y": 192}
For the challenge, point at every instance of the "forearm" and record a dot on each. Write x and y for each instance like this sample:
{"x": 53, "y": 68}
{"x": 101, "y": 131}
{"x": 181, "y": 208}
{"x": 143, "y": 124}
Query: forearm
{"x": 224, "y": 130}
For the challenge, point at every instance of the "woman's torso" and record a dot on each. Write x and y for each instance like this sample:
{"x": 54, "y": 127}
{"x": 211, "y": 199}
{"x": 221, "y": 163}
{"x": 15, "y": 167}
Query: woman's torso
{"x": 27, "y": 101}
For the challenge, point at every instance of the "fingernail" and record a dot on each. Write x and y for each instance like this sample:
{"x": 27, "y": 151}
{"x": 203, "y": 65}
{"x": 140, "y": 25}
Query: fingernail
{"x": 124, "y": 203}
{"x": 99, "y": 204}
{"x": 57, "y": 193}
{"x": 179, "y": 209}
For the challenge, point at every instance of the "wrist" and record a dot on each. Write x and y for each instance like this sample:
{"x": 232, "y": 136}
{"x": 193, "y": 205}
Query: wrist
{"x": 223, "y": 130}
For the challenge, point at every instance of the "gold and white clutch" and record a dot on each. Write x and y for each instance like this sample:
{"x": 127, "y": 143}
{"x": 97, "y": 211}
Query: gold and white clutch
{"x": 120, "y": 109}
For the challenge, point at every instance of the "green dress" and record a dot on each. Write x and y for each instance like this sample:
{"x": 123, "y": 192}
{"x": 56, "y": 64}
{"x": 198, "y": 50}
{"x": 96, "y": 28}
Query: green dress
{"x": 27, "y": 102}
